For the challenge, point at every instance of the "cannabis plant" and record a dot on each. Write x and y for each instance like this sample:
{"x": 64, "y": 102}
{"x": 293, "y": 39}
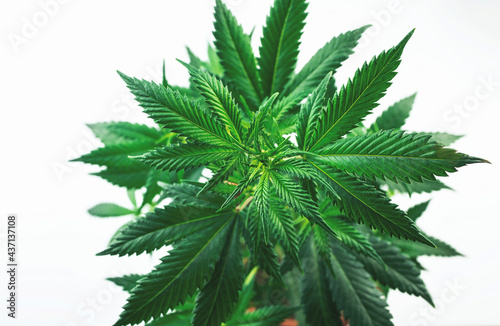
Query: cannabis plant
{"x": 259, "y": 179}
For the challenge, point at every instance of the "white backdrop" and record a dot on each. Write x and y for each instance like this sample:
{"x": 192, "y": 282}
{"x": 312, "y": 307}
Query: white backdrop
{"x": 58, "y": 62}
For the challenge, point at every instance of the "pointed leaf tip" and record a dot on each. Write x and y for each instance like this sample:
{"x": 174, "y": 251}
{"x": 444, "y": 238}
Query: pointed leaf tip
{"x": 124, "y": 77}
{"x": 187, "y": 65}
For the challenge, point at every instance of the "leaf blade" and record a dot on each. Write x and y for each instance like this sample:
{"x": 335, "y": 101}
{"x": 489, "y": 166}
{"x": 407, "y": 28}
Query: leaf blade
{"x": 280, "y": 44}
{"x": 236, "y": 55}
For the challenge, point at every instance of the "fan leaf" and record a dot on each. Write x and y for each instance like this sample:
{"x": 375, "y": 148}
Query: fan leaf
{"x": 365, "y": 204}
{"x": 178, "y": 275}
{"x": 161, "y": 227}
{"x": 398, "y": 271}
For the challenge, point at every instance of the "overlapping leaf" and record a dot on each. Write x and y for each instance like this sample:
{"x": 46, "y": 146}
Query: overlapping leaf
{"x": 316, "y": 295}
{"x": 351, "y": 236}
{"x": 262, "y": 196}
{"x": 355, "y": 293}
{"x": 415, "y": 249}
{"x": 309, "y": 112}
{"x": 328, "y": 58}
{"x": 229, "y": 166}
{"x": 130, "y": 177}
{"x": 358, "y": 97}
{"x": 117, "y": 155}
{"x": 291, "y": 193}
{"x": 219, "y": 100}
{"x": 281, "y": 225}
{"x": 395, "y": 116}
{"x": 127, "y": 282}
{"x": 427, "y": 186}
{"x": 177, "y": 112}
{"x": 216, "y": 300}
{"x": 121, "y": 131}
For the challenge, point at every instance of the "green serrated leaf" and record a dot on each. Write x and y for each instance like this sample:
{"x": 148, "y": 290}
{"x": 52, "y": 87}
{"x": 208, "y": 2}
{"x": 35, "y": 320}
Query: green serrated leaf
{"x": 216, "y": 299}
{"x": 184, "y": 156}
{"x": 162, "y": 227}
{"x": 280, "y": 44}
{"x": 263, "y": 254}
{"x": 365, "y": 204}
{"x": 328, "y": 58}
{"x": 396, "y": 156}
{"x": 284, "y": 231}
{"x": 351, "y": 236}
{"x": 353, "y": 291}
{"x": 444, "y": 138}
{"x": 300, "y": 201}
{"x": 236, "y": 55}
{"x": 223, "y": 173}
{"x": 177, "y": 112}
{"x": 261, "y": 197}
{"x": 395, "y": 116}
{"x": 219, "y": 100}
{"x": 415, "y": 249}
{"x": 358, "y": 97}
{"x": 256, "y": 124}
{"x": 398, "y": 271}
{"x": 427, "y": 186}
{"x": 130, "y": 177}
{"x": 117, "y": 155}
{"x": 416, "y": 211}
{"x": 114, "y": 132}
{"x": 309, "y": 112}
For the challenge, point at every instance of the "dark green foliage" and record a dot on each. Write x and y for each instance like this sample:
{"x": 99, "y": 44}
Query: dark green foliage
{"x": 354, "y": 292}
{"x": 280, "y": 44}
{"x": 398, "y": 272}
{"x": 316, "y": 297}
{"x": 266, "y": 205}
